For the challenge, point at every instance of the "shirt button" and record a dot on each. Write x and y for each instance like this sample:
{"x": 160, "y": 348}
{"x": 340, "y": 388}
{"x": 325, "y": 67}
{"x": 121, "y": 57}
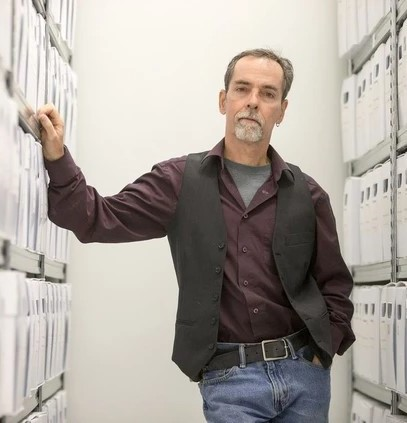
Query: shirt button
{"x": 218, "y": 269}
{"x": 245, "y": 216}
{"x": 245, "y": 283}
{"x": 221, "y": 245}
{"x": 215, "y": 298}
{"x": 244, "y": 249}
{"x": 213, "y": 321}
{"x": 255, "y": 311}
{"x": 211, "y": 346}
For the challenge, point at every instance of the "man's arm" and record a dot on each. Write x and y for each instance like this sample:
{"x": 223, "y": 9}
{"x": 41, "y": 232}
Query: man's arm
{"x": 333, "y": 276}
{"x": 142, "y": 210}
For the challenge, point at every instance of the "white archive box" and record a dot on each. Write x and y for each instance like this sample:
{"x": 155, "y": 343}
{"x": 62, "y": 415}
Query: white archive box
{"x": 362, "y": 19}
{"x": 362, "y": 103}
{"x": 39, "y": 417}
{"x": 351, "y": 221}
{"x": 9, "y": 164}
{"x": 23, "y": 196}
{"x": 341, "y": 18}
{"x": 367, "y": 410}
{"x": 364, "y": 223}
{"x": 402, "y": 76}
{"x": 401, "y": 337}
{"x": 32, "y": 58}
{"x": 6, "y": 24}
{"x": 372, "y": 359}
{"x": 376, "y": 11}
{"x": 388, "y": 335}
{"x": 13, "y": 341}
{"x": 42, "y": 307}
{"x": 366, "y": 325}
{"x": 377, "y": 114}
{"x": 375, "y": 218}
{"x": 357, "y": 352}
{"x": 370, "y": 217}
{"x": 34, "y": 335}
{"x": 43, "y": 40}
{"x": 21, "y": 28}
{"x": 401, "y": 205}
{"x": 351, "y": 24}
{"x": 395, "y": 419}
{"x": 348, "y": 118}
{"x": 386, "y": 211}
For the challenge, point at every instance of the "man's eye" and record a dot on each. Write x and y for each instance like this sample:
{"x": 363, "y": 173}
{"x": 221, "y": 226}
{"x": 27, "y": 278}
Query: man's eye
{"x": 269, "y": 94}
{"x": 241, "y": 89}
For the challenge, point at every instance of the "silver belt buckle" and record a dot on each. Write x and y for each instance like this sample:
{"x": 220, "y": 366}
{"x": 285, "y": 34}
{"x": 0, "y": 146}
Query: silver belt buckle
{"x": 263, "y": 343}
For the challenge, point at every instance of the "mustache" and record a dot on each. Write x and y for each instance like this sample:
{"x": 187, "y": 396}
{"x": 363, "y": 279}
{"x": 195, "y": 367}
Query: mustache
{"x": 249, "y": 115}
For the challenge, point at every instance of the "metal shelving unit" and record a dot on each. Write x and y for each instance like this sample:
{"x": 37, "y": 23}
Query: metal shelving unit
{"x": 372, "y": 390}
{"x": 396, "y": 268}
{"x": 378, "y": 272}
{"x": 34, "y": 403}
{"x": 361, "y": 54}
{"x": 57, "y": 40}
{"x": 377, "y": 155}
{"x": 54, "y": 269}
{"x": 24, "y": 260}
{"x": 402, "y": 12}
{"x": 26, "y": 115}
{"x": 39, "y": 6}
{"x": 16, "y": 258}
{"x": 402, "y": 140}
{"x": 402, "y": 268}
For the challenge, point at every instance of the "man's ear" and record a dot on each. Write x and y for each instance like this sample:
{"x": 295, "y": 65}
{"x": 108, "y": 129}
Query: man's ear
{"x": 284, "y": 105}
{"x": 222, "y": 101}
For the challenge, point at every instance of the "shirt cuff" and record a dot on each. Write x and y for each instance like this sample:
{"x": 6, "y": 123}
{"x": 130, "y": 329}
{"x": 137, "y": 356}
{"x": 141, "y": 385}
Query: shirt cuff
{"x": 62, "y": 170}
{"x": 341, "y": 340}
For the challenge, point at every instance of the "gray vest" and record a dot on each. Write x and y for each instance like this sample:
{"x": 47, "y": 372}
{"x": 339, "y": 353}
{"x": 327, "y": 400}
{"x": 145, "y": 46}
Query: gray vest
{"x": 198, "y": 241}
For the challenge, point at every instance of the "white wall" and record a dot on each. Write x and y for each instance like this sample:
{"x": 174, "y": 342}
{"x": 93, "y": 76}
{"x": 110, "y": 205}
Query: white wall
{"x": 149, "y": 76}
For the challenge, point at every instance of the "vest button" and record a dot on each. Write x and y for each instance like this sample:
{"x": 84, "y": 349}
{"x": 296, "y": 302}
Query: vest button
{"x": 215, "y": 298}
{"x": 213, "y": 321}
{"x": 218, "y": 269}
{"x": 221, "y": 245}
{"x": 256, "y": 310}
{"x": 211, "y": 346}
{"x": 245, "y": 283}
{"x": 244, "y": 249}
{"x": 245, "y": 216}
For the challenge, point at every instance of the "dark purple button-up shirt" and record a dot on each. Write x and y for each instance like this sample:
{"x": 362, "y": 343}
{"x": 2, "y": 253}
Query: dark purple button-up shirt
{"x": 254, "y": 305}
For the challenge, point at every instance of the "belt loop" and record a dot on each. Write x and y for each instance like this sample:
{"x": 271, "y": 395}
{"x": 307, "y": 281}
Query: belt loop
{"x": 292, "y": 351}
{"x": 242, "y": 356}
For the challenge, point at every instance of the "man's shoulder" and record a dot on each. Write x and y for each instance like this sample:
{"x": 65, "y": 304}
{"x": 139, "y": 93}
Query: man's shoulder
{"x": 179, "y": 162}
{"x": 317, "y": 192}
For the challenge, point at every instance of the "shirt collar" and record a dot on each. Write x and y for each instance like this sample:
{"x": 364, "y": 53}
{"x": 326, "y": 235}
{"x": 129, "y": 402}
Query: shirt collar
{"x": 278, "y": 165}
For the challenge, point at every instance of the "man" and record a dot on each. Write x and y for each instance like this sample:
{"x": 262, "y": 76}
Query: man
{"x": 263, "y": 290}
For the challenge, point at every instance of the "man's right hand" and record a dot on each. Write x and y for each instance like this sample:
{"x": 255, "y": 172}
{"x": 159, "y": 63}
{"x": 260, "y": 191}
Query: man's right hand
{"x": 52, "y": 132}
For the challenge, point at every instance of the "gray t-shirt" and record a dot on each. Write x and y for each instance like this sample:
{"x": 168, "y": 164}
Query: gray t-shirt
{"x": 248, "y": 179}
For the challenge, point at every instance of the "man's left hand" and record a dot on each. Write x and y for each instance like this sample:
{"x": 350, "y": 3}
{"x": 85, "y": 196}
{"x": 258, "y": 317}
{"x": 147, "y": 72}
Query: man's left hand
{"x": 316, "y": 361}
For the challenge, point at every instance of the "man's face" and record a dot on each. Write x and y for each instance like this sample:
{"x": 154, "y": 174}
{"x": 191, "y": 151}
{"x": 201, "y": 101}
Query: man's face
{"x": 253, "y": 103}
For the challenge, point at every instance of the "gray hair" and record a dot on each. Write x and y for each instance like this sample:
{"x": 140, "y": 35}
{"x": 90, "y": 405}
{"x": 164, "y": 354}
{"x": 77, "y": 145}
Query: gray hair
{"x": 269, "y": 54}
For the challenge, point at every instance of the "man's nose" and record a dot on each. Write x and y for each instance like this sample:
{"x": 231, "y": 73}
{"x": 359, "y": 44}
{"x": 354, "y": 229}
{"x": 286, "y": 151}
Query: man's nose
{"x": 253, "y": 101}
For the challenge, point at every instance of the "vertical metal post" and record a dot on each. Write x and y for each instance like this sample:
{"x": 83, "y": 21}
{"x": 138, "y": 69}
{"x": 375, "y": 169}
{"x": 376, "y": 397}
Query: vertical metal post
{"x": 6, "y": 254}
{"x": 393, "y": 138}
{"x": 394, "y": 406}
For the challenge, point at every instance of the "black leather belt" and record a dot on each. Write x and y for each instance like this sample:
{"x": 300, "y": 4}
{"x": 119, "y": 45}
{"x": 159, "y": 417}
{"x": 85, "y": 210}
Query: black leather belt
{"x": 273, "y": 349}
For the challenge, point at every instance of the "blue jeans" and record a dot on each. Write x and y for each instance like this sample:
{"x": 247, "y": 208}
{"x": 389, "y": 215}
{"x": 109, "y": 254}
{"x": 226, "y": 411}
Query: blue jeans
{"x": 291, "y": 390}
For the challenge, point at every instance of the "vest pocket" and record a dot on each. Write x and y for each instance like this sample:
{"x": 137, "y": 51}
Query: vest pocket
{"x": 299, "y": 238}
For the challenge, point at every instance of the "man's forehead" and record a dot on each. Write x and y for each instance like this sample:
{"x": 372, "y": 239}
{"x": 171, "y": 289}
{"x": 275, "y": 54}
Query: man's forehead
{"x": 259, "y": 68}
